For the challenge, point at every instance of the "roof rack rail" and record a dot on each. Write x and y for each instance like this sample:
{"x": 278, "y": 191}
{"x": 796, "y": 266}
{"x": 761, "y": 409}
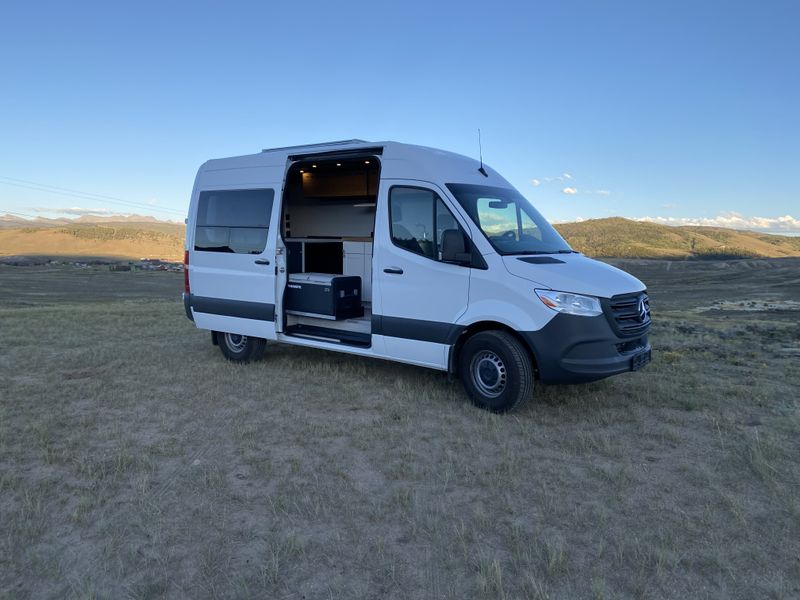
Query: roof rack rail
{"x": 336, "y": 143}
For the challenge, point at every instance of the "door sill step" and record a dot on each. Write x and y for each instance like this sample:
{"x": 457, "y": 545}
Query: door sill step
{"x": 332, "y": 336}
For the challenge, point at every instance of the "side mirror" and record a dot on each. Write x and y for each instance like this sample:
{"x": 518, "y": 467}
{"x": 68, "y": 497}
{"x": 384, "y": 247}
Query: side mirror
{"x": 454, "y": 248}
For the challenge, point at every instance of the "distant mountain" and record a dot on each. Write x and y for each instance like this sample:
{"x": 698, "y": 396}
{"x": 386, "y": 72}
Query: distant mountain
{"x": 118, "y": 219}
{"x": 145, "y": 237}
{"x": 8, "y": 220}
{"x": 618, "y": 237}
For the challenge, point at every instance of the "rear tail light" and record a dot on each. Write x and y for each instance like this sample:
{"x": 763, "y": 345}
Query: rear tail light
{"x": 186, "y": 271}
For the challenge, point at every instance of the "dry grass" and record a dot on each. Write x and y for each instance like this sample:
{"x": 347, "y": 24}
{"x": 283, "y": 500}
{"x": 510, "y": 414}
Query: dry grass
{"x": 126, "y": 240}
{"x": 135, "y": 462}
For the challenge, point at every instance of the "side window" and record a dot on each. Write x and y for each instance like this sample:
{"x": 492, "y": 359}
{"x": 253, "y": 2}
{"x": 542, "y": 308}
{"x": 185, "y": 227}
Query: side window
{"x": 411, "y": 212}
{"x": 233, "y": 221}
{"x": 419, "y": 219}
{"x": 444, "y": 221}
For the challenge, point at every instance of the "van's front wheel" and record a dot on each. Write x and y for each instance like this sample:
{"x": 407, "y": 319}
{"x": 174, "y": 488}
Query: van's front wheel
{"x": 241, "y": 348}
{"x": 496, "y": 371}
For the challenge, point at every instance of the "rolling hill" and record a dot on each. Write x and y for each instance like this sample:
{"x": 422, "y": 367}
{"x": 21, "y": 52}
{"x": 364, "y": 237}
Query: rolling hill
{"x": 623, "y": 238}
{"x": 144, "y": 237}
{"x": 122, "y": 239}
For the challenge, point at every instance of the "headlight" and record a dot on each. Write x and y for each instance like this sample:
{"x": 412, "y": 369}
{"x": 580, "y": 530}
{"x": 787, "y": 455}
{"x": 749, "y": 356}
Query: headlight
{"x": 571, "y": 304}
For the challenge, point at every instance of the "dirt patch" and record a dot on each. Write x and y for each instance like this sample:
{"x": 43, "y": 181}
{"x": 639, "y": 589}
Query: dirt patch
{"x": 751, "y": 305}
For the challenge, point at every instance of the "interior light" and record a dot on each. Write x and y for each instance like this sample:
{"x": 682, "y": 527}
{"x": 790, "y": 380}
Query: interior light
{"x": 366, "y": 162}
{"x": 301, "y": 170}
{"x": 313, "y": 166}
{"x": 338, "y": 164}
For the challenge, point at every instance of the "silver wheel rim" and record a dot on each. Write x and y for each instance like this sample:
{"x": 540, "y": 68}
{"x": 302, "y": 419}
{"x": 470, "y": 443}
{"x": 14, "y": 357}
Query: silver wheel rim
{"x": 235, "y": 342}
{"x": 489, "y": 373}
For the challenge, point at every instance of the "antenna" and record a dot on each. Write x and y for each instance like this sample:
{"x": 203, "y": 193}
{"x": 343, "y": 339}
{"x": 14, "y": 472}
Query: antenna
{"x": 481, "y": 170}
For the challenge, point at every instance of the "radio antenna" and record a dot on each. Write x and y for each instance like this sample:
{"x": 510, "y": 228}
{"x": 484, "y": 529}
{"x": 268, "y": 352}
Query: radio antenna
{"x": 481, "y": 170}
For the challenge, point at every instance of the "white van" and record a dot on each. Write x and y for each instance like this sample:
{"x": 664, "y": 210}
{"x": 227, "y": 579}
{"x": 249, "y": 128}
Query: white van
{"x": 404, "y": 253}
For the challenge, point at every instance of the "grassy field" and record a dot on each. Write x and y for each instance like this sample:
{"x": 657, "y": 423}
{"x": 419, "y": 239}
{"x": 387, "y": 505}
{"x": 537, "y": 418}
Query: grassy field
{"x": 136, "y": 463}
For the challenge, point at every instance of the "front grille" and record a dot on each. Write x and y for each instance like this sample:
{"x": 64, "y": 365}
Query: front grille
{"x": 629, "y": 314}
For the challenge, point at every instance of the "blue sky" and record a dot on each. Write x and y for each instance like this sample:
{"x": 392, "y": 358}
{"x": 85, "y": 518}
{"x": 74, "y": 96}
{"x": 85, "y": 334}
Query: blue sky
{"x": 681, "y": 111}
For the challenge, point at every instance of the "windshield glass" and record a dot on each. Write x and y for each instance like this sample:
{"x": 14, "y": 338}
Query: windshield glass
{"x": 508, "y": 220}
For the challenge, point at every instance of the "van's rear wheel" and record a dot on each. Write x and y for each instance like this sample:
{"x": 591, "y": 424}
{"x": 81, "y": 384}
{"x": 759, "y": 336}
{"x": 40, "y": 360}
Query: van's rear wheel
{"x": 496, "y": 371}
{"x": 241, "y": 348}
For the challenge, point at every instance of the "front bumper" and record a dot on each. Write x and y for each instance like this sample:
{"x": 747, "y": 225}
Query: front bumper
{"x": 573, "y": 349}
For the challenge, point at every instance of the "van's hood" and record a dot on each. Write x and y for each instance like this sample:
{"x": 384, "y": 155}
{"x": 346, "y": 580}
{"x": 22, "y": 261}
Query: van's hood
{"x": 573, "y": 273}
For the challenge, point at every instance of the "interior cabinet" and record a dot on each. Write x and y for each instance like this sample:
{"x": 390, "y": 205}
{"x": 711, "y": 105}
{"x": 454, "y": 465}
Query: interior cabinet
{"x": 358, "y": 262}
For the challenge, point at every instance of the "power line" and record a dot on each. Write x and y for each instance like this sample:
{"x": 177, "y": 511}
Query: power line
{"x": 86, "y": 197}
{"x": 52, "y": 189}
{"x": 73, "y": 192}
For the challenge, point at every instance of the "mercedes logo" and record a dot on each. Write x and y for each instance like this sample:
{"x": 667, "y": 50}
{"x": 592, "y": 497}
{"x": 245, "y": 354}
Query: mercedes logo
{"x": 642, "y": 309}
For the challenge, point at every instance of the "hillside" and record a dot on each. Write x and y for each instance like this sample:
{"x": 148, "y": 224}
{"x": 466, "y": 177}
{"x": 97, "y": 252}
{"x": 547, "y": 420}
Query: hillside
{"x": 118, "y": 239}
{"x": 618, "y": 237}
{"x": 615, "y": 237}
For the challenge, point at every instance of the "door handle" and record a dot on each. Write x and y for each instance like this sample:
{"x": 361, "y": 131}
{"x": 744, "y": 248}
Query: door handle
{"x": 262, "y": 261}
{"x": 393, "y": 270}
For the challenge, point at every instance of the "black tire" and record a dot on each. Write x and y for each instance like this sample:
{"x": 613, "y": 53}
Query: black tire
{"x": 496, "y": 371}
{"x": 241, "y": 348}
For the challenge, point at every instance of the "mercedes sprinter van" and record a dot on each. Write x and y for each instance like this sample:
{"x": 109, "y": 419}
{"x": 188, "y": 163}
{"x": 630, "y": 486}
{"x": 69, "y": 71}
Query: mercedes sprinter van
{"x": 404, "y": 253}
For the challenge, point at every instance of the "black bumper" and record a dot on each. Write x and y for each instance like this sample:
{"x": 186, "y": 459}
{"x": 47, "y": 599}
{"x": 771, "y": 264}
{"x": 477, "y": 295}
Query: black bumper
{"x": 572, "y": 349}
{"x": 187, "y": 305}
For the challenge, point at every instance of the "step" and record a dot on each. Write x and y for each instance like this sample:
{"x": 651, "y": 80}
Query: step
{"x": 330, "y": 335}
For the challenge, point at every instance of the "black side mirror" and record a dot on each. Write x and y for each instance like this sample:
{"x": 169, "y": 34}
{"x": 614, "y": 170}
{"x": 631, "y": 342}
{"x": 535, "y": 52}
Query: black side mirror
{"x": 454, "y": 248}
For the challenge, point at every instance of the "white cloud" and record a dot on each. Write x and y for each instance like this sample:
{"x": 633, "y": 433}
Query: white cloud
{"x": 733, "y": 220}
{"x": 562, "y": 177}
{"x": 570, "y": 190}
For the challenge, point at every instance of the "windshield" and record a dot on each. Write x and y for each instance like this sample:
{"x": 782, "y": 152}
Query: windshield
{"x": 508, "y": 220}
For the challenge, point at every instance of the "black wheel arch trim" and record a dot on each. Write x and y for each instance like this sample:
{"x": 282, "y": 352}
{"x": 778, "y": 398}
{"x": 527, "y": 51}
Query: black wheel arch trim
{"x": 468, "y": 331}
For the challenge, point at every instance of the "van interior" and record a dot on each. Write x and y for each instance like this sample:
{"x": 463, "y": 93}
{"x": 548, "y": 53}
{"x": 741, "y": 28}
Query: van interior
{"x": 328, "y": 225}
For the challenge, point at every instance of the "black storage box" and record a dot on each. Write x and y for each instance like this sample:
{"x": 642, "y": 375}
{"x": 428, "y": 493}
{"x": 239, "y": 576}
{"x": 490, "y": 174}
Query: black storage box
{"x": 324, "y": 296}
